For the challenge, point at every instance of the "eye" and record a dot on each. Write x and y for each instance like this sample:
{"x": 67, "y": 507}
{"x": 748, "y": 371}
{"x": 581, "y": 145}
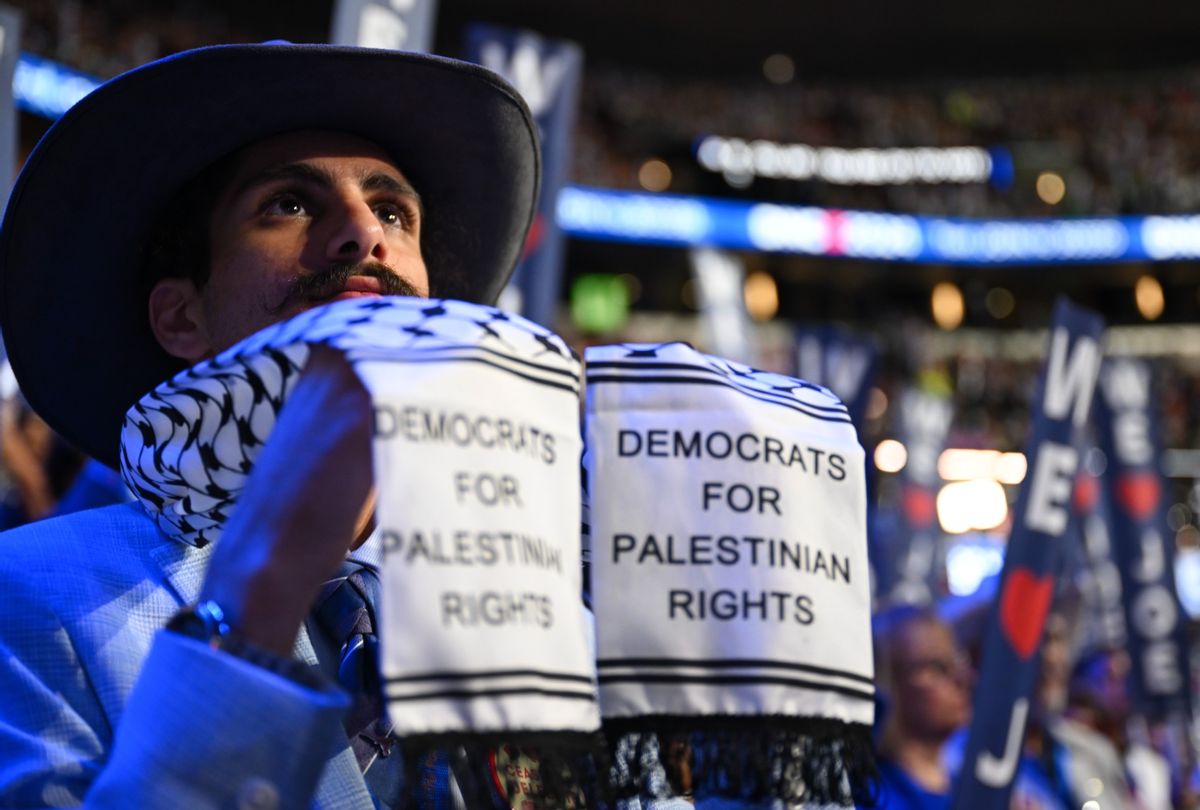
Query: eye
{"x": 287, "y": 205}
{"x": 396, "y": 214}
{"x": 390, "y": 214}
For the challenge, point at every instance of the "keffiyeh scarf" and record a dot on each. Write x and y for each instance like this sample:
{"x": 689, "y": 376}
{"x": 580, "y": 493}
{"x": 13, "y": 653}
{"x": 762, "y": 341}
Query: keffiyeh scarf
{"x": 476, "y": 453}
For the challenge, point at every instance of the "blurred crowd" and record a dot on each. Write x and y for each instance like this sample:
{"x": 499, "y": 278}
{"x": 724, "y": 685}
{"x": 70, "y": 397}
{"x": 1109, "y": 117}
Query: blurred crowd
{"x": 1123, "y": 144}
{"x": 104, "y": 39}
{"x": 41, "y": 474}
{"x": 1084, "y": 747}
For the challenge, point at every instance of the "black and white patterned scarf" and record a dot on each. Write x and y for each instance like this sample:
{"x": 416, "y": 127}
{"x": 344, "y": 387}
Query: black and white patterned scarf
{"x": 476, "y": 453}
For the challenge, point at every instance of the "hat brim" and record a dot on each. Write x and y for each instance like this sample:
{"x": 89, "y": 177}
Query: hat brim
{"x": 72, "y": 301}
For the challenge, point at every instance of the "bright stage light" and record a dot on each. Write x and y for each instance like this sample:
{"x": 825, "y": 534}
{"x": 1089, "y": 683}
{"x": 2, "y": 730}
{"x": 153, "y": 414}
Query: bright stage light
{"x": 1011, "y": 468}
{"x": 761, "y": 296}
{"x": 1051, "y": 188}
{"x": 654, "y": 175}
{"x": 1148, "y": 294}
{"x": 965, "y": 464}
{"x": 946, "y": 304}
{"x": 961, "y": 464}
{"x": 965, "y": 506}
{"x": 890, "y": 456}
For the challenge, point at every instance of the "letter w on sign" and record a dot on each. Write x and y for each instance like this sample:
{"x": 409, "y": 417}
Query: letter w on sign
{"x": 1062, "y": 401}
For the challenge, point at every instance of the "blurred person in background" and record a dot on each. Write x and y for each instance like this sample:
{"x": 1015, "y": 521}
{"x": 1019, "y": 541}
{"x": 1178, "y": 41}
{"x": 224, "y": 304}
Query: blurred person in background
{"x": 36, "y": 467}
{"x": 1064, "y": 758}
{"x": 924, "y": 678}
{"x": 41, "y": 474}
{"x": 1100, "y": 700}
{"x": 1053, "y": 764}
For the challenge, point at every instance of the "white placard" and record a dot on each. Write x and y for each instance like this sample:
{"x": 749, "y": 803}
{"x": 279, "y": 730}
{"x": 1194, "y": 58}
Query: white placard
{"x": 477, "y": 462}
{"x": 728, "y": 540}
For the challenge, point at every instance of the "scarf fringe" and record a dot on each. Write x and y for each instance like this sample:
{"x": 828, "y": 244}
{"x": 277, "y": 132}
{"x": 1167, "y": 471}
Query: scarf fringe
{"x": 572, "y": 768}
{"x": 811, "y": 760}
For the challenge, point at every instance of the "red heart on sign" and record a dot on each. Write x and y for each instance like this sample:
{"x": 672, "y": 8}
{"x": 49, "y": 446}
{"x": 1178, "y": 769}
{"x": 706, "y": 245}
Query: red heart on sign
{"x": 1087, "y": 492}
{"x": 919, "y": 506}
{"x": 1023, "y": 607}
{"x": 1139, "y": 493}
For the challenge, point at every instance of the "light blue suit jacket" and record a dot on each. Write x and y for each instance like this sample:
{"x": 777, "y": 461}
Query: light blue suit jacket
{"x": 100, "y": 707}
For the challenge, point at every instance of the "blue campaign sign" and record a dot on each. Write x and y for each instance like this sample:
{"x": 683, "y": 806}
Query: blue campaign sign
{"x": 1098, "y": 574}
{"x": 547, "y": 73}
{"x": 914, "y": 556}
{"x": 1126, "y": 415}
{"x": 10, "y": 41}
{"x": 842, "y": 362}
{"x": 1061, "y": 404}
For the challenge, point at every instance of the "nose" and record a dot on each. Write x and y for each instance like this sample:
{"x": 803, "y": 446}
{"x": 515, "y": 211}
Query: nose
{"x": 356, "y": 234}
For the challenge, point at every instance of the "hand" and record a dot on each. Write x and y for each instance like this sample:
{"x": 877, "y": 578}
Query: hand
{"x": 305, "y": 502}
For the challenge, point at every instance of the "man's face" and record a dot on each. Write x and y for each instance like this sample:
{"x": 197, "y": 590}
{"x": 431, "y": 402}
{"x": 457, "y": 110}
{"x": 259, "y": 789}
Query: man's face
{"x": 932, "y": 697}
{"x": 308, "y": 218}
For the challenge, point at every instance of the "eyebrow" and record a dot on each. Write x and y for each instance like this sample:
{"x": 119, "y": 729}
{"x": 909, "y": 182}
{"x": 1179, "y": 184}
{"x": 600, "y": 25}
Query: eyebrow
{"x": 381, "y": 181}
{"x": 313, "y": 175}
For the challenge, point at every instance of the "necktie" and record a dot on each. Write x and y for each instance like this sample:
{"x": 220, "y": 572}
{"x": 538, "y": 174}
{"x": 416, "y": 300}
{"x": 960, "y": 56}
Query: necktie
{"x": 345, "y": 611}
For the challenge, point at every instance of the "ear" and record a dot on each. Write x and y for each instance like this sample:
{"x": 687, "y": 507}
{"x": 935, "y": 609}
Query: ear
{"x": 177, "y": 320}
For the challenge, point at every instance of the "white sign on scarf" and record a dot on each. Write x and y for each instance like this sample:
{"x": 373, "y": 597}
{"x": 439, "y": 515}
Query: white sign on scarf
{"x": 476, "y": 454}
{"x": 729, "y": 566}
{"x": 489, "y": 547}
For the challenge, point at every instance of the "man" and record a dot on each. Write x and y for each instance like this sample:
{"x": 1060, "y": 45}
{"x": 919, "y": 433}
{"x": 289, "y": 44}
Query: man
{"x": 176, "y": 210}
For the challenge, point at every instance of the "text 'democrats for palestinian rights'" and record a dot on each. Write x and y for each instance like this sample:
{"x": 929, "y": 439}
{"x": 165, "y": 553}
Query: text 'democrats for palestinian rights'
{"x": 477, "y": 446}
{"x": 728, "y": 540}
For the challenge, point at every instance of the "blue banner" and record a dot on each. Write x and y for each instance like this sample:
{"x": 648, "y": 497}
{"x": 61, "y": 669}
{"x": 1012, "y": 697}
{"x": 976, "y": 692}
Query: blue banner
{"x": 397, "y": 26}
{"x": 1145, "y": 546}
{"x": 911, "y": 563}
{"x": 1098, "y": 575}
{"x": 547, "y": 73}
{"x": 848, "y": 365}
{"x": 842, "y": 362}
{"x": 10, "y": 46}
{"x": 1041, "y": 519}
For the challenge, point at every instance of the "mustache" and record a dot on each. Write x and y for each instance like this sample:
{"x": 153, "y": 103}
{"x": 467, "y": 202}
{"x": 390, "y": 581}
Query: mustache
{"x": 325, "y": 284}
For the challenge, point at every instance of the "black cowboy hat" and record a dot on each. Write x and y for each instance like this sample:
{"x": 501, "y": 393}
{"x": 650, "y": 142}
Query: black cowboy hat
{"x": 72, "y": 246}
